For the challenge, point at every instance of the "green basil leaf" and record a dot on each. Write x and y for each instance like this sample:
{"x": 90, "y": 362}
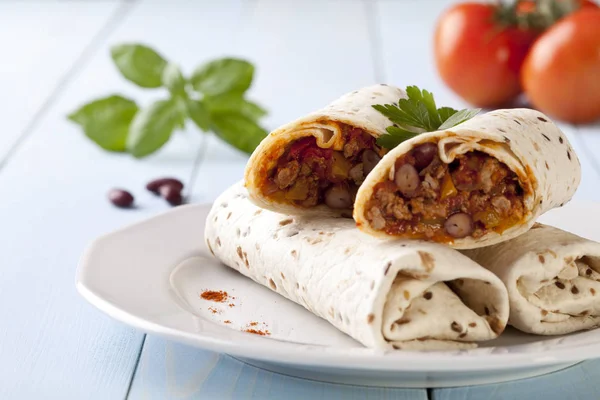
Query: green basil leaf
{"x": 223, "y": 76}
{"x": 152, "y": 127}
{"x": 198, "y": 112}
{"x": 459, "y": 118}
{"x": 173, "y": 79}
{"x": 229, "y": 102}
{"x": 140, "y": 64}
{"x": 238, "y": 130}
{"x": 106, "y": 121}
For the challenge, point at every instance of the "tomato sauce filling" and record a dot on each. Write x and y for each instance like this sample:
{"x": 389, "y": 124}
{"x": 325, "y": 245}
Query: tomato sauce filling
{"x": 307, "y": 175}
{"x": 428, "y": 199}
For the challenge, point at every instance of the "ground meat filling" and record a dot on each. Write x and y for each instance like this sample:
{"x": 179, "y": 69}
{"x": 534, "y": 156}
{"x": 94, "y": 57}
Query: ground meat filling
{"x": 307, "y": 175}
{"x": 428, "y": 199}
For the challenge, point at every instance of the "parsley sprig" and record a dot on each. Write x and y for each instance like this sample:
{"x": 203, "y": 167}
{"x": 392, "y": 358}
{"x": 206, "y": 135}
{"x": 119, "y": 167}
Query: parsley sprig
{"x": 418, "y": 114}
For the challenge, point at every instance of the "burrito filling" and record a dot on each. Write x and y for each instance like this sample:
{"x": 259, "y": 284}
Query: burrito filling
{"x": 428, "y": 199}
{"x": 307, "y": 175}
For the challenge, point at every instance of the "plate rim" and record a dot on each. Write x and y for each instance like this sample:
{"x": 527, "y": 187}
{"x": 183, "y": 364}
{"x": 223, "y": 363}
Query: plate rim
{"x": 291, "y": 353}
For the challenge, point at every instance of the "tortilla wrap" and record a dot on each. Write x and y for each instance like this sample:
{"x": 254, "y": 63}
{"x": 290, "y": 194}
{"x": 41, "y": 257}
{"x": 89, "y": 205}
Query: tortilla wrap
{"x": 526, "y": 141}
{"x": 384, "y": 294}
{"x": 353, "y": 109}
{"x": 552, "y": 277}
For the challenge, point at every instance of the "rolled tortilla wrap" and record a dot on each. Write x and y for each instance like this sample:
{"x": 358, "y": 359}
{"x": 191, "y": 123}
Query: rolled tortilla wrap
{"x": 385, "y": 294}
{"x": 552, "y": 277}
{"x": 312, "y": 166}
{"x": 480, "y": 183}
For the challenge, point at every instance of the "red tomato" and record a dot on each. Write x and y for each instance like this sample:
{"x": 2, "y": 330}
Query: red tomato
{"x": 529, "y": 6}
{"x": 477, "y": 58}
{"x": 561, "y": 75}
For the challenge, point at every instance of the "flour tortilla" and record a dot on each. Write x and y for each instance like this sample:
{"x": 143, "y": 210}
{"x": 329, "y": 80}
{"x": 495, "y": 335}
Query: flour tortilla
{"x": 527, "y": 141}
{"x": 354, "y": 109}
{"x": 385, "y": 294}
{"x": 552, "y": 277}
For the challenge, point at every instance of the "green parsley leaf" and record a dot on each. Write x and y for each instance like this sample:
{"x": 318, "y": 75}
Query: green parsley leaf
{"x": 140, "y": 64}
{"x": 418, "y": 114}
{"x": 223, "y": 76}
{"x": 152, "y": 127}
{"x": 106, "y": 121}
{"x": 238, "y": 130}
{"x": 459, "y": 117}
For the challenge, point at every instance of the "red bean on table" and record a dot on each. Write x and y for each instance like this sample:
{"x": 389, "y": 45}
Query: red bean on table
{"x": 120, "y": 198}
{"x": 172, "y": 194}
{"x": 155, "y": 185}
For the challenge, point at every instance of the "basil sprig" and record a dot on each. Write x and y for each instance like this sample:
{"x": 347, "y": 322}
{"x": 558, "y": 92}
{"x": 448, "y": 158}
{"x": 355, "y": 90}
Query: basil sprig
{"x": 213, "y": 98}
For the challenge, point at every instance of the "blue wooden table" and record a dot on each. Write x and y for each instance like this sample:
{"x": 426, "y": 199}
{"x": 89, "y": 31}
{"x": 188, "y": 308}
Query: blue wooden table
{"x": 54, "y": 56}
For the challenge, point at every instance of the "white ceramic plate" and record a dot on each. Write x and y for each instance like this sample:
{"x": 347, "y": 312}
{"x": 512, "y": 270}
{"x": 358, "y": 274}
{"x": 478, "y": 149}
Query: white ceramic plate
{"x": 150, "y": 276}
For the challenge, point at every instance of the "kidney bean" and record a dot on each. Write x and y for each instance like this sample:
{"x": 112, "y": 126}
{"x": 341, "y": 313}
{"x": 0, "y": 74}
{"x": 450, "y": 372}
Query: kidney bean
{"x": 424, "y": 154}
{"x": 120, "y": 198}
{"x": 172, "y": 194}
{"x": 407, "y": 179}
{"x": 459, "y": 225}
{"x": 370, "y": 160}
{"x": 155, "y": 185}
{"x": 338, "y": 197}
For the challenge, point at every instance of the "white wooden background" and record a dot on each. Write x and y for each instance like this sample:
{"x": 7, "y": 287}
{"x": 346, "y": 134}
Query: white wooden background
{"x": 54, "y": 55}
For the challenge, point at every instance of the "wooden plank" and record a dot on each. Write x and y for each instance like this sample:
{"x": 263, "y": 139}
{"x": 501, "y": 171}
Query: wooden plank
{"x": 176, "y": 371}
{"x": 54, "y": 204}
{"x": 40, "y": 42}
{"x": 580, "y": 382}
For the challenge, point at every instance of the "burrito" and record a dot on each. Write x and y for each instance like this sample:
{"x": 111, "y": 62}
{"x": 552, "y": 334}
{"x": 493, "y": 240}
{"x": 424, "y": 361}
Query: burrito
{"x": 477, "y": 184}
{"x": 314, "y": 165}
{"x": 552, "y": 277}
{"x": 385, "y": 294}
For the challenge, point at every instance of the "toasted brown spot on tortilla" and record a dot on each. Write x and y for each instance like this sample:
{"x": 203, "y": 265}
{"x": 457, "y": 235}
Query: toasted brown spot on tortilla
{"x": 560, "y": 139}
{"x": 297, "y": 285}
{"x": 472, "y": 324}
{"x": 547, "y": 166}
{"x": 237, "y": 232}
{"x": 347, "y": 251}
{"x": 285, "y": 222}
{"x": 506, "y": 140}
{"x": 536, "y": 146}
{"x": 294, "y": 253}
{"x": 536, "y": 225}
{"x": 487, "y": 283}
{"x": 331, "y": 312}
{"x": 427, "y": 260}
{"x": 541, "y": 258}
{"x": 224, "y": 204}
{"x": 568, "y": 260}
{"x": 313, "y": 240}
{"x": 501, "y": 130}
{"x": 246, "y": 260}
{"x": 462, "y": 335}
{"x": 546, "y": 137}
{"x": 574, "y": 289}
{"x": 257, "y": 212}
{"x": 553, "y": 254}
{"x": 387, "y": 268}
{"x": 240, "y": 253}
{"x": 209, "y": 247}
{"x": 402, "y": 321}
{"x": 517, "y": 121}
{"x": 542, "y": 119}
{"x": 486, "y": 310}
{"x": 569, "y": 154}
{"x": 218, "y": 241}
{"x": 496, "y": 325}
{"x": 257, "y": 246}
{"x": 544, "y": 313}
{"x": 423, "y": 338}
{"x": 593, "y": 291}
{"x": 282, "y": 276}
{"x": 422, "y": 312}
{"x": 427, "y": 295}
{"x": 396, "y": 347}
{"x": 559, "y": 285}
{"x": 406, "y": 294}
{"x": 588, "y": 271}
{"x": 372, "y": 285}
{"x": 272, "y": 284}
{"x": 456, "y": 327}
{"x": 370, "y": 318}
{"x": 584, "y": 313}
